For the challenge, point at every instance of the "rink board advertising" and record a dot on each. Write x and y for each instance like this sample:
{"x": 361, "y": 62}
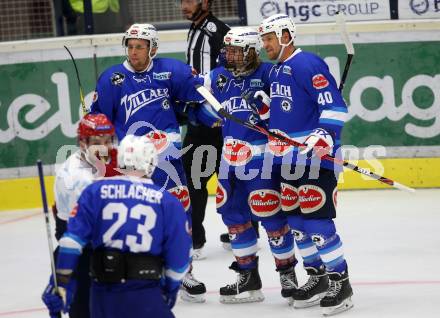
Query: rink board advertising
{"x": 393, "y": 93}
{"x": 309, "y": 11}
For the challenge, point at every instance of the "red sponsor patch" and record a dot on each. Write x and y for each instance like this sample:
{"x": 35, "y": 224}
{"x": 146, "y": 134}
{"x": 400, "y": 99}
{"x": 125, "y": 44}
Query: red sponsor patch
{"x": 311, "y": 198}
{"x": 237, "y": 152}
{"x": 181, "y": 193}
{"x": 159, "y": 139}
{"x": 264, "y": 202}
{"x": 289, "y": 197}
{"x": 335, "y": 197}
{"x": 74, "y": 211}
{"x": 319, "y": 81}
{"x": 221, "y": 196}
{"x": 134, "y": 31}
{"x": 278, "y": 147}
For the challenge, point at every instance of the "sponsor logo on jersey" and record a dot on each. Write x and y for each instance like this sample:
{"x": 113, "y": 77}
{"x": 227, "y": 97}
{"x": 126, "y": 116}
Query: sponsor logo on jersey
{"x": 165, "y": 104}
{"x": 132, "y": 103}
{"x": 289, "y": 197}
{"x": 220, "y": 82}
{"x": 159, "y": 138}
{"x": 287, "y": 70}
{"x": 311, "y": 198}
{"x": 280, "y": 90}
{"x": 286, "y": 105}
{"x": 335, "y": 197}
{"x": 142, "y": 79}
{"x": 236, "y": 104}
{"x": 237, "y": 152}
{"x": 255, "y": 82}
{"x": 278, "y": 147}
{"x": 181, "y": 193}
{"x": 221, "y": 196}
{"x": 117, "y": 78}
{"x": 319, "y": 81}
{"x": 264, "y": 202}
{"x": 162, "y": 76}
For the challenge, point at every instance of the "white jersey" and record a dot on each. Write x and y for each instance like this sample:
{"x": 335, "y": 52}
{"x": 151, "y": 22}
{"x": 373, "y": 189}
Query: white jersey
{"x": 71, "y": 178}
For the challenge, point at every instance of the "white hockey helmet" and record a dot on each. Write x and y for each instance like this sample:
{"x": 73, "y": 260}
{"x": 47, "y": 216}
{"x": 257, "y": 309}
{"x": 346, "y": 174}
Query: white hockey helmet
{"x": 137, "y": 153}
{"x": 277, "y": 23}
{"x": 142, "y": 31}
{"x": 244, "y": 37}
{"x": 247, "y": 38}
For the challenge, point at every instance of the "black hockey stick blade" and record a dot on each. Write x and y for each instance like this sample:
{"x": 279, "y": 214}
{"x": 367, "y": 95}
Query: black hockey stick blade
{"x": 81, "y": 93}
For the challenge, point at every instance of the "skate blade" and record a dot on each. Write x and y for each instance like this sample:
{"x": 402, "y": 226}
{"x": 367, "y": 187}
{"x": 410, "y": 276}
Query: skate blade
{"x": 246, "y": 297}
{"x": 344, "y": 306}
{"x": 309, "y": 302}
{"x": 185, "y": 296}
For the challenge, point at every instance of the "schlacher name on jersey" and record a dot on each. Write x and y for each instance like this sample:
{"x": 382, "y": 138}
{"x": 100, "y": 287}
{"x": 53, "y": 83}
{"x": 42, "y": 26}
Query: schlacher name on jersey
{"x": 236, "y": 104}
{"x": 133, "y": 191}
{"x": 132, "y": 103}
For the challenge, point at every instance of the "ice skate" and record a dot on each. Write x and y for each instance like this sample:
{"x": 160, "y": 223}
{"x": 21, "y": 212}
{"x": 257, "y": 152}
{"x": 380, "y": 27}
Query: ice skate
{"x": 247, "y": 289}
{"x": 289, "y": 283}
{"x": 311, "y": 293}
{"x": 192, "y": 290}
{"x": 338, "y": 297}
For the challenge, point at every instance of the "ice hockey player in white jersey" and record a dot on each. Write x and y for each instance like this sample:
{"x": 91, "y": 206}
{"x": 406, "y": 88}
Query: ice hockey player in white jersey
{"x": 95, "y": 158}
{"x": 307, "y": 106}
{"x": 140, "y": 240}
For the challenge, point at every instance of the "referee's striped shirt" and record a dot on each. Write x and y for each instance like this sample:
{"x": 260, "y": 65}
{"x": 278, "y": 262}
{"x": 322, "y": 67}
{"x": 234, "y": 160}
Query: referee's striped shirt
{"x": 204, "y": 43}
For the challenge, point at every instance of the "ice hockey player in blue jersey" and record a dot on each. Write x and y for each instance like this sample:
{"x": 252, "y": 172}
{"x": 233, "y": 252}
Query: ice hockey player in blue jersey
{"x": 307, "y": 106}
{"x": 140, "y": 238}
{"x": 139, "y": 98}
{"x": 243, "y": 195}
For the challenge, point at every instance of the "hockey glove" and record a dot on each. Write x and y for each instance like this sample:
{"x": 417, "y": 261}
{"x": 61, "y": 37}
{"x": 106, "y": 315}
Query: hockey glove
{"x": 61, "y": 301}
{"x": 319, "y": 143}
{"x": 259, "y": 101}
{"x": 170, "y": 297}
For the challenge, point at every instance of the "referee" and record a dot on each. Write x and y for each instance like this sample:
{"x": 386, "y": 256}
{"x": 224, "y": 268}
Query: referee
{"x": 205, "y": 40}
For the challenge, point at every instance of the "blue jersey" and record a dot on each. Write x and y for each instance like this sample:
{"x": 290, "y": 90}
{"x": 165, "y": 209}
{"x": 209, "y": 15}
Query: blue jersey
{"x": 304, "y": 96}
{"x": 141, "y": 103}
{"x": 131, "y": 215}
{"x": 241, "y": 145}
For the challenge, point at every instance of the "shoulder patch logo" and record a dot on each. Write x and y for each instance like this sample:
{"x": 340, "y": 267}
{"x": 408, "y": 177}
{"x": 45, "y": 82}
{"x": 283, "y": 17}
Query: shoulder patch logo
{"x": 220, "y": 82}
{"x": 117, "y": 78}
{"x": 211, "y": 27}
{"x": 319, "y": 81}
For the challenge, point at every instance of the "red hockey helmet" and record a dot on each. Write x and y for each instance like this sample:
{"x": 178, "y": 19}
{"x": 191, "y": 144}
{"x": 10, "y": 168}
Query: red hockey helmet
{"x": 95, "y": 125}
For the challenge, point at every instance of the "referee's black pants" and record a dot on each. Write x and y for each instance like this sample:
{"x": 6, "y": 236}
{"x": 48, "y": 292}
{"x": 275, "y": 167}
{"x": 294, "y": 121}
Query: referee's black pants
{"x": 198, "y": 136}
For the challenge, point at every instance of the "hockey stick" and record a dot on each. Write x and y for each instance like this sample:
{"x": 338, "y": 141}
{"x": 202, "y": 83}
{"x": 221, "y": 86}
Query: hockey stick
{"x": 48, "y": 231}
{"x": 218, "y": 107}
{"x": 81, "y": 93}
{"x": 348, "y": 46}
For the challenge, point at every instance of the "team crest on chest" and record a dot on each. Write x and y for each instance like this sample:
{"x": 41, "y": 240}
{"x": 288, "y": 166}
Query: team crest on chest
{"x": 117, "y": 78}
{"x": 220, "y": 82}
